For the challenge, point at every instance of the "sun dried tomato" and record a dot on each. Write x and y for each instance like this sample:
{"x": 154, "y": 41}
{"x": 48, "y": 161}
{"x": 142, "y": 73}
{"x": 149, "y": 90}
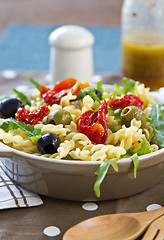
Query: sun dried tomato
{"x": 50, "y": 96}
{"x": 127, "y": 100}
{"x": 65, "y": 84}
{"x": 32, "y": 118}
{"x": 94, "y": 124}
{"x": 102, "y": 118}
{"x": 60, "y": 89}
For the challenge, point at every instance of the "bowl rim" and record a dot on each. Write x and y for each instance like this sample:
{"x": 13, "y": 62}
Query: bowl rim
{"x": 6, "y": 151}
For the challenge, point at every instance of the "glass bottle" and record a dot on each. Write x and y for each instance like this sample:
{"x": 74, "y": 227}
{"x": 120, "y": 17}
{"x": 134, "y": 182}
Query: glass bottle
{"x": 143, "y": 41}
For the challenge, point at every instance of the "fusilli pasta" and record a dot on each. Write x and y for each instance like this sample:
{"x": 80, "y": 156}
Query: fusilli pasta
{"x": 120, "y": 139}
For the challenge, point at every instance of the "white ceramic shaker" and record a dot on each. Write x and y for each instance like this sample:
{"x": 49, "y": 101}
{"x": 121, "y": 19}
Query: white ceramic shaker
{"x": 71, "y": 53}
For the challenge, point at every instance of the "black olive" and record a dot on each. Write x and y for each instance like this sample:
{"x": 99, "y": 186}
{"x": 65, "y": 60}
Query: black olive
{"x": 9, "y": 106}
{"x": 48, "y": 143}
{"x": 98, "y": 93}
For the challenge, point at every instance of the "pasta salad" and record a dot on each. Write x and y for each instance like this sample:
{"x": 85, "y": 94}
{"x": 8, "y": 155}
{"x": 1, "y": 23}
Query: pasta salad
{"x": 75, "y": 121}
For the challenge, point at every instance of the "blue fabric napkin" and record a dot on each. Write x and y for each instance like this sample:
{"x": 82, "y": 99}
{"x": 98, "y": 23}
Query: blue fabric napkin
{"x": 26, "y": 47}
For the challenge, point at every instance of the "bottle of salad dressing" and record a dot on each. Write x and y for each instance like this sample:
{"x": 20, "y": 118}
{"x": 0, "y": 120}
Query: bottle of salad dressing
{"x": 143, "y": 41}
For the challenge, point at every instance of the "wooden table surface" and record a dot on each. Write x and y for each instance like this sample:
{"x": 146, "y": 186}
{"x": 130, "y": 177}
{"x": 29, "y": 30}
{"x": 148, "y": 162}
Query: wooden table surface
{"x": 92, "y": 12}
{"x": 8, "y": 84}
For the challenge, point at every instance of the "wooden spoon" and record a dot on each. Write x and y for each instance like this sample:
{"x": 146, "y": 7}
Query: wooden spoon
{"x": 156, "y": 230}
{"x": 113, "y": 226}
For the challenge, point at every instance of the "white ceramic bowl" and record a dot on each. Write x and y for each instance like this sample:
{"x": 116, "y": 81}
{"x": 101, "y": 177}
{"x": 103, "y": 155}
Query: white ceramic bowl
{"x": 74, "y": 180}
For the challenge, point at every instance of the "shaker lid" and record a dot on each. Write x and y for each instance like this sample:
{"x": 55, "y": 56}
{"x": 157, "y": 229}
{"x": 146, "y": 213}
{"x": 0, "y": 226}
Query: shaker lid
{"x": 71, "y": 37}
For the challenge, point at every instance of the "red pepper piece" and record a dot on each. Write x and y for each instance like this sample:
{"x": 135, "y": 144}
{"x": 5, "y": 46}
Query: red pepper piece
{"x": 32, "y": 118}
{"x": 87, "y": 124}
{"x": 127, "y": 100}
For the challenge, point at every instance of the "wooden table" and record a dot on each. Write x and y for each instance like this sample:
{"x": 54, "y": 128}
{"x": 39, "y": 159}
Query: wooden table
{"x": 6, "y": 85}
{"x": 93, "y": 12}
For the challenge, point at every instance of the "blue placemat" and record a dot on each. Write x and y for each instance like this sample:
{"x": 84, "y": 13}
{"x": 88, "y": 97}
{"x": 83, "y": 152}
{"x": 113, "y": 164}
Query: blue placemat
{"x": 26, "y": 47}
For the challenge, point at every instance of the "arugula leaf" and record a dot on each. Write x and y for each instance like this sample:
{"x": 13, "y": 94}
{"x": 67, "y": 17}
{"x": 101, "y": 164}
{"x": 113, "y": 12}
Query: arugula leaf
{"x": 117, "y": 90}
{"x": 99, "y": 86}
{"x": 88, "y": 91}
{"x": 156, "y": 117}
{"x": 144, "y": 149}
{"x": 151, "y": 137}
{"x": 117, "y": 114}
{"x": 128, "y": 86}
{"x": 37, "y": 85}
{"x": 102, "y": 171}
{"x": 11, "y": 123}
{"x": 135, "y": 160}
{"x": 111, "y": 128}
{"x": 106, "y": 95}
{"x": 127, "y": 155}
{"x": 22, "y": 97}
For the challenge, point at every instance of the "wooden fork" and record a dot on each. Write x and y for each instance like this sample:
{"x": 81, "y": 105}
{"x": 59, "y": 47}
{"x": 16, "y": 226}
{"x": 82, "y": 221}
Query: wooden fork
{"x": 156, "y": 230}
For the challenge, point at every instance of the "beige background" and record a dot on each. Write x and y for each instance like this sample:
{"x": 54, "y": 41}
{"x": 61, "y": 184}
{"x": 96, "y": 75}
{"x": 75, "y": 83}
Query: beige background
{"x": 87, "y": 12}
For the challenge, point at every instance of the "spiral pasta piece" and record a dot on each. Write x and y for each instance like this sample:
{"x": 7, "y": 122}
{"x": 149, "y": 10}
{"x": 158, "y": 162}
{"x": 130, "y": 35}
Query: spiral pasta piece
{"x": 148, "y": 131}
{"x": 64, "y": 149}
{"x": 143, "y": 94}
{"x": 83, "y": 155}
{"x": 65, "y": 101}
{"x": 125, "y": 137}
{"x": 87, "y": 103}
{"x": 56, "y": 129}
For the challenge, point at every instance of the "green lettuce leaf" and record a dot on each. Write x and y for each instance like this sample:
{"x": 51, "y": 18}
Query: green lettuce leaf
{"x": 36, "y": 84}
{"x": 151, "y": 137}
{"x": 102, "y": 171}
{"x": 10, "y": 123}
{"x": 128, "y": 86}
{"x": 116, "y": 113}
{"x": 156, "y": 119}
{"x": 144, "y": 149}
{"x": 22, "y": 97}
{"x": 117, "y": 90}
{"x": 104, "y": 92}
{"x": 127, "y": 155}
{"x": 99, "y": 86}
{"x": 111, "y": 128}
{"x": 135, "y": 160}
{"x": 106, "y": 95}
{"x": 88, "y": 91}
